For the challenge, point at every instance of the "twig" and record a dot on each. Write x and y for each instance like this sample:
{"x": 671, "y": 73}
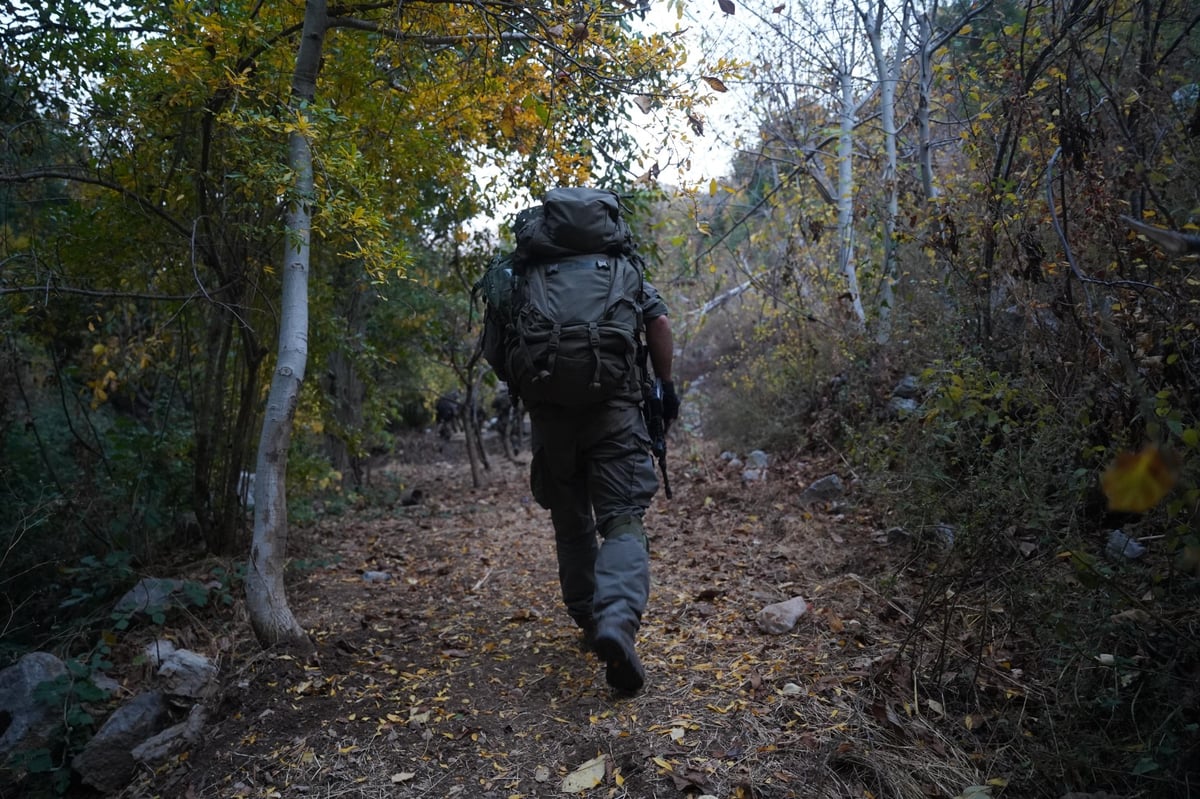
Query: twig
{"x": 482, "y": 580}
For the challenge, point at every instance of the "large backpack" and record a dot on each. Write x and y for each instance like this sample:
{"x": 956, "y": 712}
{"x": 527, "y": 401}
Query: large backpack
{"x": 573, "y": 326}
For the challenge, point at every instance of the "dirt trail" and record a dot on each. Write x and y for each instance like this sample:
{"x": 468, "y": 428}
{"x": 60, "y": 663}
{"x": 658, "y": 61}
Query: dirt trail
{"x": 461, "y": 676}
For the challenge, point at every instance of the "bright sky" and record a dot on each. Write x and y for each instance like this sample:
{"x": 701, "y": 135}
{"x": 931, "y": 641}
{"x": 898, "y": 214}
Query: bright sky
{"x": 709, "y": 34}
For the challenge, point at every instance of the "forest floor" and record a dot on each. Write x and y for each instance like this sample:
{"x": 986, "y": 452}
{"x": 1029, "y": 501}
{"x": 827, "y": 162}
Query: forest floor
{"x": 461, "y": 675}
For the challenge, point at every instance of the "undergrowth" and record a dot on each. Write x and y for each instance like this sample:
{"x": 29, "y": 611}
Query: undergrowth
{"x": 1081, "y": 664}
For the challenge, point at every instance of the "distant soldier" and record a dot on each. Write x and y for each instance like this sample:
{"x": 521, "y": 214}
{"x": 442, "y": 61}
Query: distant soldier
{"x": 510, "y": 420}
{"x": 448, "y": 413}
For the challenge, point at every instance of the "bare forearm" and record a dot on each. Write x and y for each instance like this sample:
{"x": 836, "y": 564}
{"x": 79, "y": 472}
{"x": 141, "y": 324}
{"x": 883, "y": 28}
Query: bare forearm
{"x": 661, "y": 346}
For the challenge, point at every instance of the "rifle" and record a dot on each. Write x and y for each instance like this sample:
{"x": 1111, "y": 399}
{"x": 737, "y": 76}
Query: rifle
{"x": 657, "y": 427}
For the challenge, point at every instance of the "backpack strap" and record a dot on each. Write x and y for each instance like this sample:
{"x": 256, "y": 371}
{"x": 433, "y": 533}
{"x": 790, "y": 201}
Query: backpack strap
{"x": 551, "y": 354}
{"x": 609, "y": 263}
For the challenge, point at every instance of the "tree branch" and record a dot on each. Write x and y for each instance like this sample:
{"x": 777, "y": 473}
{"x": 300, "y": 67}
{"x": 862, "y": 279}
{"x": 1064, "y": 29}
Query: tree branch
{"x": 354, "y": 23}
{"x": 124, "y": 295}
{"x": 67, "y": 173}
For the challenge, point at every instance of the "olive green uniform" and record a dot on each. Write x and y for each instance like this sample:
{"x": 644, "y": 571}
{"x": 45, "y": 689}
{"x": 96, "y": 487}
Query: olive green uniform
{"x": 593, "y": 471}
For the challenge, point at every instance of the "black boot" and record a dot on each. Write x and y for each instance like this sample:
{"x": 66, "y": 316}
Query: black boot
{"x": 623, "y": 670}
{"x": 587, "y": 638}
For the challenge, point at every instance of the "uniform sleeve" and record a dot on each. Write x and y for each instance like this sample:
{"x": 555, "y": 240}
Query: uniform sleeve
{"x": 652, "y": 304}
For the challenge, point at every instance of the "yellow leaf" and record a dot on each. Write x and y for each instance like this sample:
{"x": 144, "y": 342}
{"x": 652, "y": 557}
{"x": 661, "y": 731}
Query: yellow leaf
{"x": 663, "y": 764}
{"x": 1137, "y": 481}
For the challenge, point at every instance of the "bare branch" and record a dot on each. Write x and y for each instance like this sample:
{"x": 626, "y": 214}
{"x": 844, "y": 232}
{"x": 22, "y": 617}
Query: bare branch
{"x": 1172, "y": 241}
{"x": 78, "y": 176}
{"x": 124, "y": 295}
{"x": 354, "y": 23}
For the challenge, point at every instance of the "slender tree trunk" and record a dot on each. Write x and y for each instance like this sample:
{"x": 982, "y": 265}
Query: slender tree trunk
{"x": 845, "y": 198}
{"x": 344, "y": 385}
{"x": 270, "y": 615}
{"x": 924, "y": 100}
{"x": 888, "y": 72}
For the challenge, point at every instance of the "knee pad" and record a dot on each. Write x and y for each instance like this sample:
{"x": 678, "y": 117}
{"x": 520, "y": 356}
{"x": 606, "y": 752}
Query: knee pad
{"x": 630, "y": 526}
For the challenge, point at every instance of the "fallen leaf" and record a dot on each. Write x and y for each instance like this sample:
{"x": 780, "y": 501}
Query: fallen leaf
{"x": 586, "y": 777}
{"x": 690, "y": 780}
{"x": 403, "y": 776}
{"x": 1133, "y": 616}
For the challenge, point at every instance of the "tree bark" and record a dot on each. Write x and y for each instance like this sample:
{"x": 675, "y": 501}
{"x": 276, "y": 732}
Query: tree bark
{"x": 270, "y": 616}
{"x": 888, "y": 72}
{"x": 344, "y": 386}
{"x": 845, "y": 197}
{"x": 924, "y": 101}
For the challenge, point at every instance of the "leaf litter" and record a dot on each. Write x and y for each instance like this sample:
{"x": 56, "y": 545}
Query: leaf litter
{"x": 461, "y": 676}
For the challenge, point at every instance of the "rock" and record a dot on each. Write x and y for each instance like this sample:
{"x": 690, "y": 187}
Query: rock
{"x": 758, "y": 459}
{"x": 781, "y": 617}
{"x": 106, "y": 762}
{"x": 160, "y": 748}
{"x": 1122, "y": 547}
{"x": 105, "y": 683}
{"x": 151, "y": 595}
{"x": 753, "y": 475}
{"x": 908, "y": 388}
{"x": 944, "y": 536}
{"x": 826, "y": 489}
{"x": 29, "y": 723}
{"x": 158, "y": 651}
{"x": 188, "y": 675}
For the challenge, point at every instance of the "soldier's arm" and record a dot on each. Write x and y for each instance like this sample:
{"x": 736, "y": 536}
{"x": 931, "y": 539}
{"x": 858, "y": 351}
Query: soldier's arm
{"x": 661, "y": 346}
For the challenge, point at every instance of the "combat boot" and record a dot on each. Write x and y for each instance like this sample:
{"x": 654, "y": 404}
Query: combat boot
{"x": 587, "y": 637}
{"x": 623, "y": 670}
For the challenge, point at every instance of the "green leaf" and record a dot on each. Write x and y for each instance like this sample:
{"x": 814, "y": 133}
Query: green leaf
{"x": 1145, "y": 766}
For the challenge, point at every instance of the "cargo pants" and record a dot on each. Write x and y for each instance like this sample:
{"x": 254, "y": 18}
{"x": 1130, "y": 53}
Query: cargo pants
{"x": 593, "y": 471}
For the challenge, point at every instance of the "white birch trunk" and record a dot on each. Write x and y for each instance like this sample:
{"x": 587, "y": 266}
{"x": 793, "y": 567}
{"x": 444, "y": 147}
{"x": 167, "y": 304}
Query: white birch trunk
{"x": 888, "y": 73}
{"x": 845, "y": 197}
{"x": 925, "y": 50}
{"x": 270, "y": 616}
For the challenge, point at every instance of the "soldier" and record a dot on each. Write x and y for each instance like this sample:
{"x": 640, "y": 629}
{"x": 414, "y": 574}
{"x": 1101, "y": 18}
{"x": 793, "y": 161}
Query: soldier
{"x": 592, "y": 469}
